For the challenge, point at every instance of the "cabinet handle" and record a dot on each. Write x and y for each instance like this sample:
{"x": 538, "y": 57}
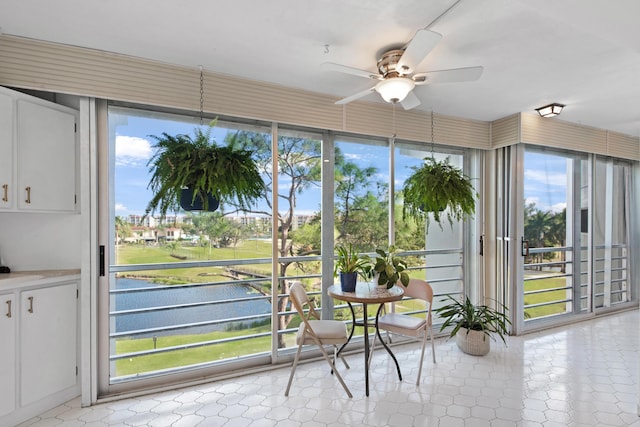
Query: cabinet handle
{"x": 5, "y": 192}
{"x": 30, "y": 309}
{"x": 9, "y": 309}
{"x": 28, "y": 194}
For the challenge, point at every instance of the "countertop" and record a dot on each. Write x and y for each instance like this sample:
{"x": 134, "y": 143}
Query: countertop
{"x": 35, "y": 277}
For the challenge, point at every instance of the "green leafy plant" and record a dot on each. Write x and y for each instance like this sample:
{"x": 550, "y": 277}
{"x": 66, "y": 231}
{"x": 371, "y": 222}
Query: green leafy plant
{"x": 390, "y": 268}
{"x": 473, "y": 317}
{"x": 349, "y": 261}
{"x": 438, "y": 187}
{"x": 198, "y": 163}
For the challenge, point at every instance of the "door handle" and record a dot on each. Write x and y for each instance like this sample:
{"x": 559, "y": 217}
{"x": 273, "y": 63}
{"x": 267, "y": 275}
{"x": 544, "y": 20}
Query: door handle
{"x": 524, "y": 249}
{"x": 28, "y": 190}
{"x": 8, "y": 309}
{"x": 5, "y": 192}
{"x": 30, "y": 309}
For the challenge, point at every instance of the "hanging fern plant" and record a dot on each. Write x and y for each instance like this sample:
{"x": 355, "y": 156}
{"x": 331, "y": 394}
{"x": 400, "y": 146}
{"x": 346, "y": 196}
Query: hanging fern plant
{"x": 439, "y": 188}
{"x": 199, "y": 164}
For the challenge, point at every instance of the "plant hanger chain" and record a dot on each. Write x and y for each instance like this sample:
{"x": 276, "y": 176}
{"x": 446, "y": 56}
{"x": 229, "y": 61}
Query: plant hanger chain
{"x": 432, "y": 139}
{"x": 201, "y": 95}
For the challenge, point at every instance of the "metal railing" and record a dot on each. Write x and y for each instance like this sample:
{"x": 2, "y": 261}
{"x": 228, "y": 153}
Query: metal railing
{"x": 176, "y": 339}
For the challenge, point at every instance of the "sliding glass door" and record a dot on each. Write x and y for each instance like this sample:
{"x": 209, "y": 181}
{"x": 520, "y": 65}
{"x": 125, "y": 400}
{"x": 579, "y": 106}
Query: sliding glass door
{"x": 554, "y": 241}
{"x": 562, "y": 235}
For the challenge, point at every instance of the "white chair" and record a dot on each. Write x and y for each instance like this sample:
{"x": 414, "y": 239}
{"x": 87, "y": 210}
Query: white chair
{"x": 312, "y": 331}
{"x": 409, "y": 325}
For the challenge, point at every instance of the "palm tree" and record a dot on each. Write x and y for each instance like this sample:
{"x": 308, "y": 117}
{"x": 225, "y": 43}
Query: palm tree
{"x": 536, "y": 226}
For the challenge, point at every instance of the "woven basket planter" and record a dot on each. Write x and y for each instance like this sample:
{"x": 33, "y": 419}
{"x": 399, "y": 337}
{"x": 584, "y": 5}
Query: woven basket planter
{"x": 476, "y": 343}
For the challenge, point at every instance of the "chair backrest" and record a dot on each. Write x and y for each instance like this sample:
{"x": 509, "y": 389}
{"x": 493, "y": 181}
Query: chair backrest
{"x": 420, "y": 289}
{"x": 300, "y": 299}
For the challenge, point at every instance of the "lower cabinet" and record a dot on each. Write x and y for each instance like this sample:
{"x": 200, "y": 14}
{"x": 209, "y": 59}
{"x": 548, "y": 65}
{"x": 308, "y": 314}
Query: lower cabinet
{"x": 41, "y": 365}
{"x": 7, "y": 353}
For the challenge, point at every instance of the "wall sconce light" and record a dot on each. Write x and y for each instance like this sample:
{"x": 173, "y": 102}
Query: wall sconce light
{"x": 550, "y": 110}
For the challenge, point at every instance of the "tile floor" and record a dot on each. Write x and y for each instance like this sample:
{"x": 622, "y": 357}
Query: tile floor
{"x": 581, "y": 375}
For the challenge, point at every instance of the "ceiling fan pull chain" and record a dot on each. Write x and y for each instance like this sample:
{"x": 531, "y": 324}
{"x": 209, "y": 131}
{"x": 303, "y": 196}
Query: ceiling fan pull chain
{"x": 393, "y": 109}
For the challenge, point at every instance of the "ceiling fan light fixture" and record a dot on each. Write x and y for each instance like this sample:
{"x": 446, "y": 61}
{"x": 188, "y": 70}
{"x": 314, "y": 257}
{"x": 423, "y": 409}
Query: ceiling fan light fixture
{"x": 395, "y": 89}
{"x": 550, "y": 110}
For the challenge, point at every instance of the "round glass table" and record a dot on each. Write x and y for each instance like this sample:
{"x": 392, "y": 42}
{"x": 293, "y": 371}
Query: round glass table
{"x": 365, "y": 294}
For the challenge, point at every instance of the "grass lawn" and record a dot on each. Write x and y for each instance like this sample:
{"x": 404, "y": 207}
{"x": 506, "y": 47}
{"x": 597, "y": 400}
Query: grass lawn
{"x": 192, "y": 356}
{"x": 549, "y": 296}
{"x": 143, "y": 254}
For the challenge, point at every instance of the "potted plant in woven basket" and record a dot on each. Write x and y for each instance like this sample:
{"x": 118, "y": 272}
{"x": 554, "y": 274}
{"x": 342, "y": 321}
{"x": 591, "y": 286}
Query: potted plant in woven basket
{"x": 473, "y": 325}
{"x": 196, "y": 174}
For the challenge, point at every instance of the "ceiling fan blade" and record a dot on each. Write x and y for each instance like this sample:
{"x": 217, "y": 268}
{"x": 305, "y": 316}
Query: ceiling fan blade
{"x": 453, "y": 75}
{"x": 417, "y": 49}
{"x": 355, "y": 96}
{"x": 411, "y": 101}
{"x": 330, "y": 66}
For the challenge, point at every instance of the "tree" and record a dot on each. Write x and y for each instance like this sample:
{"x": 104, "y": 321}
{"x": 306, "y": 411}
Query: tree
{"x": 352, "y": 184}
{"x": 544, "y": 229}
{"x": 123, "y": 229}
{"x": 218, "y": 229}
{"x": 307, "y": 238}
{"x": 299, "y": 168}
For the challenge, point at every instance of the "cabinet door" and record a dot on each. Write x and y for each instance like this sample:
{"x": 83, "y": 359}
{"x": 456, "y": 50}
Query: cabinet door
{"x": 7, "y": 190}
{"x": 48, "y": 335}
{"x": 46, "y": 158}
{"x": 7, "y": 354}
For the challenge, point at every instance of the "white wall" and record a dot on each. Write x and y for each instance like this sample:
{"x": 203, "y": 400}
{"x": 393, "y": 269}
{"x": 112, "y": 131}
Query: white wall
{"x": 34, "y": 241}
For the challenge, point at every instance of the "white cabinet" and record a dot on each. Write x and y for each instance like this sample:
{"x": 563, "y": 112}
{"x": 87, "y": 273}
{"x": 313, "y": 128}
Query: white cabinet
{"x": 37, "y": 154}
{"x": 7, "y": 187}
{"x": 7, "y": 353}
{"x": 47, "y": 341}
{"x": 38, "y": 351}
{"x": 46, "y": 158}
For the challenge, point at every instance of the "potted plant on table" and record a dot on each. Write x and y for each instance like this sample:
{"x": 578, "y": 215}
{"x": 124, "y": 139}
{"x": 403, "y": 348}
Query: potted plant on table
{"x": 195, "y": 173}
{"x": 438, "y": 187}
{"x": 473, "y": 325}
{"x": 389, "y": 268}
{"x": 349, "y": 265}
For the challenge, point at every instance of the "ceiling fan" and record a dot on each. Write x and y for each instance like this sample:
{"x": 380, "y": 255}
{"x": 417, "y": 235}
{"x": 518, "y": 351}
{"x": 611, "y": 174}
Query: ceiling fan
{"x": 396, "y": 72}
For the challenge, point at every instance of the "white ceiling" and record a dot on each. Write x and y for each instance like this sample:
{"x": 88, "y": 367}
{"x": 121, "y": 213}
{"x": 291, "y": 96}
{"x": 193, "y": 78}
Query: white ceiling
{"x": 582, "y": 53}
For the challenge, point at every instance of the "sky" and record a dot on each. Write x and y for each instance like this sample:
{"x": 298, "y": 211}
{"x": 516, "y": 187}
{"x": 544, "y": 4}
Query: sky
{"x": 545, "y": 174}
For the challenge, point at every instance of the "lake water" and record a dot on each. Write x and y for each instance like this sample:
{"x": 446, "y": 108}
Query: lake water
{"x": 155, "y": 295}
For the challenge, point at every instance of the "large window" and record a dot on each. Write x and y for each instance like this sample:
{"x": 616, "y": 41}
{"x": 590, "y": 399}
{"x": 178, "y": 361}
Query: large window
{"x": 195, "y": 293}
{"x": 186, "y": 288}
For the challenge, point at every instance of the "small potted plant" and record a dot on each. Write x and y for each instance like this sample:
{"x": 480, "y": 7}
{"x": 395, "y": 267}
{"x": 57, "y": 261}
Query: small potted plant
{"x": 473, "y": 325}
{"x": 389, "y": 268}
{"x": 207, "y": 171}
{"x": 349, "y": 265}
{"x": 440, "y": 188}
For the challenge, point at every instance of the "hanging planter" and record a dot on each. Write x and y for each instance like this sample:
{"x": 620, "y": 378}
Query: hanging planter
{"x": 191, "y": 201}
{"x": 213, "y": 173}
{"x": 439, "y": 188}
